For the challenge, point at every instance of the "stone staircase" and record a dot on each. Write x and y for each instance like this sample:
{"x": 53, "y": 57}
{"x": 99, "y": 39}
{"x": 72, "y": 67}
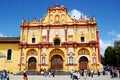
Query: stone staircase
{"x": 33, "y": 72}
{"x": 61, "y": 73}
{"x": 29, "y": 72}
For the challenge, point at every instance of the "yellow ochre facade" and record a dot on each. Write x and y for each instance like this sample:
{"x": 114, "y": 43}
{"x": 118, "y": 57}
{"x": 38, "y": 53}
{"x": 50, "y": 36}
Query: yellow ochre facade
{"x": 55, "y": 42}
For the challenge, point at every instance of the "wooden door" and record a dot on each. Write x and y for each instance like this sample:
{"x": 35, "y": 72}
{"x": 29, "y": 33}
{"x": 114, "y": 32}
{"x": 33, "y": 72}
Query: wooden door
{"x": 83, "y": 63}
{"x": 57, "y": 62}
{"x": 32, "y": 63}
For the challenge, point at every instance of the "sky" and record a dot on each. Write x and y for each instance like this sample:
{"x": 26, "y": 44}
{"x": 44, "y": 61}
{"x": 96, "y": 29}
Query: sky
{"x": 107, "y": 13}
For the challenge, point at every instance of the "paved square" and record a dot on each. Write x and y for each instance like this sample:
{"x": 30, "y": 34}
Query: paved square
{"x": 65, "y": 77}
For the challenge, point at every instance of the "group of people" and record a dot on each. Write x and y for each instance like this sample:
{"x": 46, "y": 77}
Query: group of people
{"x": 49, "y": 73}
{"x": 114, "y": 72}
{"x": 5, "y": 75}
{"x": 75, "y": 75}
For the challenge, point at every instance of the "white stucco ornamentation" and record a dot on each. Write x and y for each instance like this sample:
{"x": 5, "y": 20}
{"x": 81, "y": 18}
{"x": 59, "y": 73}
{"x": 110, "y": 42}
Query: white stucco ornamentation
{"x": 36, "y": 57}
{"x": 44, "y": 32}
{"x": 87, "y": 56}
{"x": 70, "y": 50}
{"x": 43, "y": 50}
{"x": 60, "y": 33}
{"x": 70, "y": 31}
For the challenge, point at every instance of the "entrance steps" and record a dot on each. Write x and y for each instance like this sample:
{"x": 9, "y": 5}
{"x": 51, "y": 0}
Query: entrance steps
{"x": 33, "y": 72}
{"x": 29, "y": 72}
{"x": 59, "y": 72}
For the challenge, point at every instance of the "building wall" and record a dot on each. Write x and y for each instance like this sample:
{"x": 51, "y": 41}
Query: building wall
{"x": 10, "y": 65}
{"x": 2, "y": 63}
{"x": 57, "y": 24}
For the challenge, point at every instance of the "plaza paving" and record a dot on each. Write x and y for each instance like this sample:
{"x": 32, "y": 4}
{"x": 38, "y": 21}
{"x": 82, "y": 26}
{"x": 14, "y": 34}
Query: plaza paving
{"x": 65, "y": 77}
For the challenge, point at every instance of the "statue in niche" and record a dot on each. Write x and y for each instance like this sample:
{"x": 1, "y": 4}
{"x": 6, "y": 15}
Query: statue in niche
{"x": 57, "y": 32}
{"x": 32, "y": 51}
{"x": 93, "y": 49}
{"x": 83, "y": 51}
{"x": 43, "y": 60}
{"x": 94, "y": 60}
{"x": 70, "y": 60}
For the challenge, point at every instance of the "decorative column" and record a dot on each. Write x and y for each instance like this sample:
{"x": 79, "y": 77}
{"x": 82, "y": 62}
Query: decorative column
{"x": 40, "y": 30}
{"x": 21, "y": 59}
{"x": 75, "y": 33}
{"x": 99, "y": 58}
{"x": 65, "y": 34}
{"x": 48, "y": 34}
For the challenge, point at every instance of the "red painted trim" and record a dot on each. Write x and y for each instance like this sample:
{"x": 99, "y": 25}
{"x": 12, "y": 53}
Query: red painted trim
{"x": 42, "y": 64}
{"x": 99, "y": 56}
{"x": 95, "y": 64}
{"x": 59, "y": 25}
{"x": 65, "y": 35}
{"x": 48, "y": 35}
{"x": 21, "y": 65}
{"x": 71, "y": 64}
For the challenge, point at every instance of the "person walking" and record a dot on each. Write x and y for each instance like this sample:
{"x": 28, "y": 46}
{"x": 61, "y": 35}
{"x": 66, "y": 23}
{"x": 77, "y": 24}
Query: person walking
{"x": 49, "y": 73}
{"x": 45, "y": 73}
{"x": 8, "y": 78}
{"x": 24, "y": 72}
{"x": 98, "y": 72}
{"x": 119, "y": 72}
{"x": 53, "y": 73}
{"x": 92, "y": 72}
{"x": 71, "y": 73}
{"x": 4, "y": 75}
{"x": 78, "y": 75}
{"x": 25, "y": 77}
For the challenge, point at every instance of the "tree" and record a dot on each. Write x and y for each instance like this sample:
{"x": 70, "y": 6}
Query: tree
{"x": 112, "y": 55}
{"x": 117, "y": 52}
{"x": 108, "y": 55}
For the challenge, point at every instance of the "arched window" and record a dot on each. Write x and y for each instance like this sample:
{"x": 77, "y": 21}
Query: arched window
{"x": 82, "y": 39}
{"x": 33, "y": 40}
{"x": 43, "y": 60}
{"x": 57, "y": 18}
{"x": 56, "y": 42}
{"x": 9, "y": 54}
{"x": 63, "y": 16}
{"x": 71, "y": 60}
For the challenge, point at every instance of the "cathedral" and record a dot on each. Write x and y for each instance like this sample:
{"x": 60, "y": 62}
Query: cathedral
{"x": 55, "y": 42}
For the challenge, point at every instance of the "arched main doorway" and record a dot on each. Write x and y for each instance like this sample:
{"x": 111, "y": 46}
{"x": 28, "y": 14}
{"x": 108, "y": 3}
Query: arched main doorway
{"x": 57, "y": 62}
{"x": 32, "y": 63}
{"x": 83, "y": 63}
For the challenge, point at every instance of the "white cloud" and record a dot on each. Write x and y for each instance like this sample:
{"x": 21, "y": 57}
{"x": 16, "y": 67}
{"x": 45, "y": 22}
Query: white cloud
{"x": 109, "y": 42}
{"x": 115, "y": 35}
{"x": 104, "y": 45}
{"x": 1, "y": 35}
{"x": 112, "y": 33}
{"x": 118, "y": 36}
{"x": 77, "y": 14}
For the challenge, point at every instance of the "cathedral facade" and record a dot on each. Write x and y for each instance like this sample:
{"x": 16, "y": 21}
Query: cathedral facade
{"x": 55, "y": 42}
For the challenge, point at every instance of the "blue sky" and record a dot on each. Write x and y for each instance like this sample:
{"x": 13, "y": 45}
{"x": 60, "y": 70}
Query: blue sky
{"x": 107, "y": 13}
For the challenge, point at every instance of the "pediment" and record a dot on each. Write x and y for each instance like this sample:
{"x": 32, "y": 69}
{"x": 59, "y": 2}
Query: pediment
{"x": 57, "y": 15}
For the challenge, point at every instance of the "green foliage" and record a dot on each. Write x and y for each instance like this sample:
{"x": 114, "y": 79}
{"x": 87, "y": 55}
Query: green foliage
{"x": 112, "y": 55}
